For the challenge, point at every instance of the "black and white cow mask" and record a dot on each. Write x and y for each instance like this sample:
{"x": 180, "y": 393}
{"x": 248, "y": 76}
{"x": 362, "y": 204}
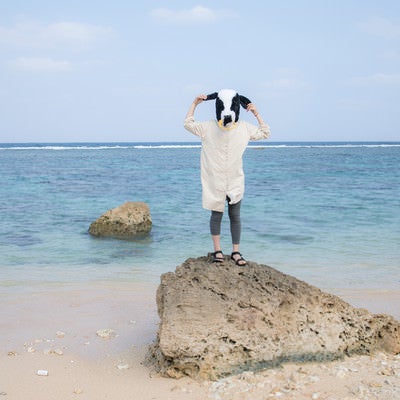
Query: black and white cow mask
{"x": 227, "y": 106}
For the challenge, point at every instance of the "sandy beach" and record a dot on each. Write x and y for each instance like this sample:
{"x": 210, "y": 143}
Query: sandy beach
{"x": 90, "y": 340}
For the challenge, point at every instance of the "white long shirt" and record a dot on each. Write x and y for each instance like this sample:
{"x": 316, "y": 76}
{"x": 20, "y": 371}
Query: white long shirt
{"x": 221, "y": 159}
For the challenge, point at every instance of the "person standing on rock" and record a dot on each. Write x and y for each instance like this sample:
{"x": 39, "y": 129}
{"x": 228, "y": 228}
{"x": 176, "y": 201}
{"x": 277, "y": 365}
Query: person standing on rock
{"x": 223, "y": 143}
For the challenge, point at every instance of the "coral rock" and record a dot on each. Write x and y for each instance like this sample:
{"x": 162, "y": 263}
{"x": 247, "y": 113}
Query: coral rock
{"x": 218, "y": 320}
{"x": 126, "y": 221}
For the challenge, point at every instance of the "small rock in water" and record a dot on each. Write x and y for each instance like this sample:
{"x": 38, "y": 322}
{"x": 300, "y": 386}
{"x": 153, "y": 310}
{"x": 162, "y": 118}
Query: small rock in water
{"x": 42, "y": 372}
{"x": 12, "y": 353}
{"x": 60, "y": 334}
{"x": 31, "y": 349}
{"x": 123, "y": 366}
{"x": 105, "y": 333}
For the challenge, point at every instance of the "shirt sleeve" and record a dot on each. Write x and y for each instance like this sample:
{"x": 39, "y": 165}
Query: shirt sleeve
{"x": 258, "y": 132}
{"x": 262, "y": 132}
{"x": 194, "y": 127}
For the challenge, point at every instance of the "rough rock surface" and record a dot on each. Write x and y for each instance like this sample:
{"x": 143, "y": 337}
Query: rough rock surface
{"x": 124, "y": 222}
{"x": 222, "y": 319}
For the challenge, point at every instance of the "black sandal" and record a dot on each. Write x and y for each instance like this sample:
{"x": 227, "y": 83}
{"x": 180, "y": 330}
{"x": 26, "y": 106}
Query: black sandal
{"x": 218, "y": 259}
{"x": 240, "y": 262}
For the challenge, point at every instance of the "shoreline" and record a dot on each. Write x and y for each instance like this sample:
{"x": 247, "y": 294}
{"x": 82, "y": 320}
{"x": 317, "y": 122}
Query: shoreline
{"x": 54, "y": 329}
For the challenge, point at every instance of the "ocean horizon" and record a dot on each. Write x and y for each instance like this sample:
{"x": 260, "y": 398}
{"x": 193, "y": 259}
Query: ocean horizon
{"x": 180, "y": 144}
{"x": 325, "y": 212}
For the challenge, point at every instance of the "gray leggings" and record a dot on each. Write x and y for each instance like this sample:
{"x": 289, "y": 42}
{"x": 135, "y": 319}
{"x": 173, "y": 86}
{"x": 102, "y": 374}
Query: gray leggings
{"x": 234, "y": 218}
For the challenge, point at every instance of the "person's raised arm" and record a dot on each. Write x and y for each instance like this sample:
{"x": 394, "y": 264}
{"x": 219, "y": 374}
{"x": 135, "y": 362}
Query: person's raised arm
{"x": 200, "y": 98}
{"x": 263, "y": 131}
{"x": 252, "y": 108}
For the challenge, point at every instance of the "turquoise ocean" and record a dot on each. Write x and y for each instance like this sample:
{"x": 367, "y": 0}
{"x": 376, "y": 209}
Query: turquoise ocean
{"x": 327, "y": 213}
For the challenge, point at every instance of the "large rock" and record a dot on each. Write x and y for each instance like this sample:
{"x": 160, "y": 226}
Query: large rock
{"x": 223, "y": 319}
{"x": 126, "y": 221}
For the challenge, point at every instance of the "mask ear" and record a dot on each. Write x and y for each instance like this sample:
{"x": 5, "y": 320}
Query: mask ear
{"x": 212, "y": 96}
{"x": 244, "y": 101}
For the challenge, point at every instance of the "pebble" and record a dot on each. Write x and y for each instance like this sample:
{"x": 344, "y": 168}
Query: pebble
{"x": 314, "y": 378}
{"x": 78, "y": 391}
{"x": 60, "y": 334}
{"x": 31, "y": 349}
{"x": 340, "y": 374}
{"x": 387, "y": 372}
{"x": 123, "y": 366}
{"x": 105, "y": 333}
{"x": 42, "y": 372}
{"x": 57, "y": 352}
{"x": 375, "y": 385}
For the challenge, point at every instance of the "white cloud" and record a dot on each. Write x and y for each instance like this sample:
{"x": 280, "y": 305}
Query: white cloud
{"x": 380, "y": 26}
{"x": 71, "y": 34}
{"x": 40, "y": 64}
{"x": 376, "y": 79}
{"x": 197, "y": 14}
{"x": 285, "y": 84}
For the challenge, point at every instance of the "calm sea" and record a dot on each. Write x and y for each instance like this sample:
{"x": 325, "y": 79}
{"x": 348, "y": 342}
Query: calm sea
{"x": 327, "y": 213}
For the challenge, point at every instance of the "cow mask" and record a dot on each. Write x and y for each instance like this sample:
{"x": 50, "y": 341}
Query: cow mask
{"x": 227, "y": 106}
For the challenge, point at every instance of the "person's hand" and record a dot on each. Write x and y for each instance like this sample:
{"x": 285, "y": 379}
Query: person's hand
{"x": 199, "y": 99}
{"x": 252, "y": 108}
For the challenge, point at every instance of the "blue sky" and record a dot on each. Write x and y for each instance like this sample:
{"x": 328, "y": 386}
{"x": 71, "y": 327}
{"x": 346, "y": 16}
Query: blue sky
{"x": 127, "y": 71}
